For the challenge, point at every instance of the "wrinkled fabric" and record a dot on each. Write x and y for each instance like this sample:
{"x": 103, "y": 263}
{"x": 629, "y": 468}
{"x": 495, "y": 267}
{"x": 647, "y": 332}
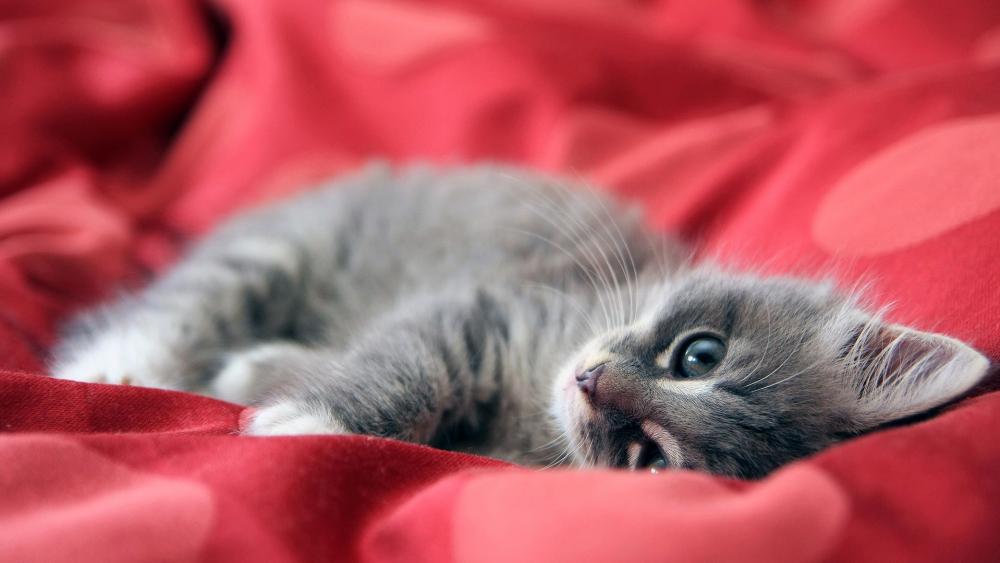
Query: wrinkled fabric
{"x": 851, "y": 140}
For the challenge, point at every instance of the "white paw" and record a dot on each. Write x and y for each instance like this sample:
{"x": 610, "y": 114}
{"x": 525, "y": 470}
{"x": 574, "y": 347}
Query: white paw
{"x": 289, "y": 418}
{"x": 122, "y": 358}
{"x": 247, "y": 377}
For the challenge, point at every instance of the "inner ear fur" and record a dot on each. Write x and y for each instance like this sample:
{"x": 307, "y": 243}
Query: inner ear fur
{"x": 898, "y": 372}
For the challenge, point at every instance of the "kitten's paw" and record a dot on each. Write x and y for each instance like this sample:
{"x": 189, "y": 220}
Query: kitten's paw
{"x": 288, "y": 418}
{"x": 120, "y": 359}
{"x": 250, "y": 375}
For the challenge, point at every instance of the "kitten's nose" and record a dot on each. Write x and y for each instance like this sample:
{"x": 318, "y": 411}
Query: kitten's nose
{"x": 586, "y": 380}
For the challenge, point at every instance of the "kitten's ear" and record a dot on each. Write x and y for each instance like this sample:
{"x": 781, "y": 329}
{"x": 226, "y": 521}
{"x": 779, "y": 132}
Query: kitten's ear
{"x": 898, "y": 372}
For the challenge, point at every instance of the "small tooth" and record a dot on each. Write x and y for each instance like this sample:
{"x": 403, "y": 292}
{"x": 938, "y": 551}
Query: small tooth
{"x": 634, "y": 451}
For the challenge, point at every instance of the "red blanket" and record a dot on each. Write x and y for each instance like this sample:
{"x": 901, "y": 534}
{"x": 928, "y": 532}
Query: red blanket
{"x": 854, "y": 138}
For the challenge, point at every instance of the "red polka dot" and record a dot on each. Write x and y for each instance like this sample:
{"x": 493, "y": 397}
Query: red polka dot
{"x": 987, "y": 50}
{"x": 64, "y": 502}
{"x": 922, "y": 187}
{"x": 796, "y": 514}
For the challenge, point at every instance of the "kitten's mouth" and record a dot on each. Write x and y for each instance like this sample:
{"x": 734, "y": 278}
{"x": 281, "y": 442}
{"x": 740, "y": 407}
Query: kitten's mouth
{"x": 647, "y": 446}
{"x": 645, "y": 455}
{"x": 636, "y": 444}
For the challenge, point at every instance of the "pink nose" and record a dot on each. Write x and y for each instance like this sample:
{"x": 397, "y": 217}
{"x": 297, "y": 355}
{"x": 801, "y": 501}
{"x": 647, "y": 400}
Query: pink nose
{"x": 587, "y": 380}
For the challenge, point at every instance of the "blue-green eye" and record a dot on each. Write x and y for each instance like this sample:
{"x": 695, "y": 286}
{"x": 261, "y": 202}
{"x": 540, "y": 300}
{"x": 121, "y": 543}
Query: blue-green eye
{"x": 699, "y": 355}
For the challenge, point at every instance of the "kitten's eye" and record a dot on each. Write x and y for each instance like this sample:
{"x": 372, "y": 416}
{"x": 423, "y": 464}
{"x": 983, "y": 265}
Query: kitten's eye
{"x": 700, "y": 355}
{"x": 657, "y": 464}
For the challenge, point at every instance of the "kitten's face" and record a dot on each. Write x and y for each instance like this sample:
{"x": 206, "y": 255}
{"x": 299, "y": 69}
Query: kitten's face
{"x": 737, "y": 375}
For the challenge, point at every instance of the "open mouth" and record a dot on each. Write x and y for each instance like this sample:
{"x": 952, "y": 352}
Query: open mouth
{"x": 645, "y": 454}
{"x": 637, "y": 444}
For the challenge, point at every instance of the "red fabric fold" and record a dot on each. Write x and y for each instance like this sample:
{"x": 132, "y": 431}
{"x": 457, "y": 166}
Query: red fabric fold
{"x": 853, "y": 139}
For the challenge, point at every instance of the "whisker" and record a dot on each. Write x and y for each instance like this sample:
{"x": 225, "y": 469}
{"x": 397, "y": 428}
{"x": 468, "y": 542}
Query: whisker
{"x": 569, "y": 453}
{"x": 790, "y": 377}
{"x": 598, "y": 199}
{"x": 570, "y": 232}
{"x": 787, "y": 359}
{"x": 767, "y": 347}
{"x": 624, "y": 251}
{"x": 583, "y": 268}
{"x": 611, "y": 279}
{"x": 572, "y": 301}
{"x": 559, "y": 440}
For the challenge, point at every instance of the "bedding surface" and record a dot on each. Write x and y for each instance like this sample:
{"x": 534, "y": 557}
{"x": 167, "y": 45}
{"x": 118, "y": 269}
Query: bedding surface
{"x": 860, "y": 140}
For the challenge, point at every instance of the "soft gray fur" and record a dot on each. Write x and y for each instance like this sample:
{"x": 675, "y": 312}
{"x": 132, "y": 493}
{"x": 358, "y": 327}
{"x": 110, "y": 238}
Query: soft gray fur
{"x": 456, "y": 308}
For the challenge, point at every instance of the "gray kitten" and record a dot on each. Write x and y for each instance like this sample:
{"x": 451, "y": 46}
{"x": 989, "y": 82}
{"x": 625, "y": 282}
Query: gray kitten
{"x": 495, "y": 311}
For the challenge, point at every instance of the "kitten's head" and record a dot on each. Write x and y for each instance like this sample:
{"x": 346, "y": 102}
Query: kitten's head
{"x": 737, "y": 375}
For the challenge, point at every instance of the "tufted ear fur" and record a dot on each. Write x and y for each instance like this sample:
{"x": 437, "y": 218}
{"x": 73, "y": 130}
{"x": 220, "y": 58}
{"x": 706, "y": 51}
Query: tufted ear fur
{"x": 899, "y": 372}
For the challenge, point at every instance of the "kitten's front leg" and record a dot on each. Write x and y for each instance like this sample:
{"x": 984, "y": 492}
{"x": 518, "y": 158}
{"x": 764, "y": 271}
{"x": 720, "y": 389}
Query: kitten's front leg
{"x": 126, "y": 345}
{"x": 413, "y": 377}
{"x": 232, "y": 291}
{"x": 390, "y": 386}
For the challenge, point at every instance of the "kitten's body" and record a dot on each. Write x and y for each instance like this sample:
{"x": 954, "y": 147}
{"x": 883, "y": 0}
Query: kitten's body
{"x": 456, "y": 308}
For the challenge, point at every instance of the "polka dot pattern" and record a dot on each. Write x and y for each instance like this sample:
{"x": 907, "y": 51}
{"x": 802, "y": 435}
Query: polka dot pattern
{"x": 921, "y": 187}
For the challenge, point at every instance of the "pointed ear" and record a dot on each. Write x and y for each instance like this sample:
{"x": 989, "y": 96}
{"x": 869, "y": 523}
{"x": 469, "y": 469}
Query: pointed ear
{"x": 899, "y": 372}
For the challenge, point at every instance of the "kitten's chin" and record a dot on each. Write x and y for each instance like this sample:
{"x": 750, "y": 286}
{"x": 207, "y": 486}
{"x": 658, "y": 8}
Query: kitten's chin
{"x": 572, "y": 414}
